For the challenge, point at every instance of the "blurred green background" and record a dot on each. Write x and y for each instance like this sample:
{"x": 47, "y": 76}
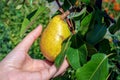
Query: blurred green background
{"x": 12, "y": 14}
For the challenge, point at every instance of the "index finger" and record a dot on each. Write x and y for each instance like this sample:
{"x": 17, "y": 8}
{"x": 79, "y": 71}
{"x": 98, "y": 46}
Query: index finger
{"x": 26, "y": 43}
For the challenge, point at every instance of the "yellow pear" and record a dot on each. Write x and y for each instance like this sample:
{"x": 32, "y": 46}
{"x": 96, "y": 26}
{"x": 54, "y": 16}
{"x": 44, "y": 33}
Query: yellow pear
{"x": 53, "y": 36}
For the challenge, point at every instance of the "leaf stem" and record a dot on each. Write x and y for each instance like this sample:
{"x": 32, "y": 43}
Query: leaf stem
{"x": 110, "y": 54}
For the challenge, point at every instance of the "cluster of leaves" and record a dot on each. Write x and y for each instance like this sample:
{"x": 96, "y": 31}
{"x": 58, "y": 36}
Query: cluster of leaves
{"x": 91, "y": 54}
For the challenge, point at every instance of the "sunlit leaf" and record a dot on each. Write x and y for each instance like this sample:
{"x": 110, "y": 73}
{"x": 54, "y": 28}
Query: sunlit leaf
{"x": 85, "y": 24}
{"x": 73, "y": 58}
{"x": 24, "y": 25}
{"x": 29, "y": 20}
{"x": 95, "y": 69}
{"x": 38, "y": 12}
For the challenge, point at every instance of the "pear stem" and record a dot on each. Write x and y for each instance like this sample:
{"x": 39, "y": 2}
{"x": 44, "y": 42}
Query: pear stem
{"x": 65, "y": 14}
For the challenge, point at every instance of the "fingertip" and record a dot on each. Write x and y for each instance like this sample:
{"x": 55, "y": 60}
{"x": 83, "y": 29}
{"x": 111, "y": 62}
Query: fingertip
{"x": 39, "y": 27}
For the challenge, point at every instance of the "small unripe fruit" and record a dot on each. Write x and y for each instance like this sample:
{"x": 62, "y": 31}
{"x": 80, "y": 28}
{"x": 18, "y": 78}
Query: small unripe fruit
{"x": 53, "y": 36}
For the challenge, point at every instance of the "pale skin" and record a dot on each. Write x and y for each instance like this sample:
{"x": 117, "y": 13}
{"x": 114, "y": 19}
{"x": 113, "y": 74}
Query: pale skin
{"x": 18, "y": 65}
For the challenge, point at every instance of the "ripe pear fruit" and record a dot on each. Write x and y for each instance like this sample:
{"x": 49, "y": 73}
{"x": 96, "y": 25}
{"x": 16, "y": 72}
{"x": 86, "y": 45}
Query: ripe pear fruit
{"x": 53, "y": 36}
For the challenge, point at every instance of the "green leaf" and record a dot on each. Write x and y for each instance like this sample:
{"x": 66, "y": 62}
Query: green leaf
{"x": 77, "y": 25}
{"x": 85, "y": 24}
{"x": 30, "y": 19}
{"x": 38, "y": 12}
{"x": 95, "y": 35}
{"x": 73, "y": 58}
{"x": 24, "y": 25}
{"x": 79, "y": 15}
{"x": 77, "y": 52}
{"x": 85, "y": 1}
{"x": 59, "y": 59}
{"x": 115, "y": 27}
{"x": 68, "y": 3}
{"x": 76, "y": 41}
{"x": 72, "y": 1}
{"x": 96, "y": 18}
{"x": 95, "y": 69}
{"x": 31, "y": 14}
{"x": 104, "y": 46}
{"x": 86, "y": 20}
{"x": 83, "y": 54}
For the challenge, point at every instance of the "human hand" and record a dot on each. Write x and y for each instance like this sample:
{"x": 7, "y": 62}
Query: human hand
{"x": 18, "y": 65}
